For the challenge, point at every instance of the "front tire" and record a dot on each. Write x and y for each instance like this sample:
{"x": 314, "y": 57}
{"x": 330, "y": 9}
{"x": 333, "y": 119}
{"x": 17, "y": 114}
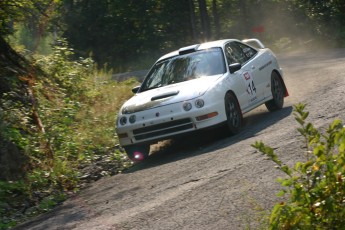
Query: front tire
{"x": 137, "y": 153}
{"x": 277, "y": 90}
{"x": 233, "y": 114}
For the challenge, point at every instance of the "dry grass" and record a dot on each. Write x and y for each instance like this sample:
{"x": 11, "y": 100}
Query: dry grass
{"x": 96, "y": 126}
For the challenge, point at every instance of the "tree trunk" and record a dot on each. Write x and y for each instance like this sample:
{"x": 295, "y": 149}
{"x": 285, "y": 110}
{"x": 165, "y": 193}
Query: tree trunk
{"x": 243, "y": 27}
{"x": 216, "y": 19}
{"x": 205, "y": 21}
{"x": 192, "y": 20}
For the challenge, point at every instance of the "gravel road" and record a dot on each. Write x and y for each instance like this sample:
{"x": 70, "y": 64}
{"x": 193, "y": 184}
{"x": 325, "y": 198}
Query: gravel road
{"x": 210, "y": 180}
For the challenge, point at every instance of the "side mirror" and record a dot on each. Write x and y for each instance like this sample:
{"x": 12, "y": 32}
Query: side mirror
{"x": 136, "y": 89}
{"x": 234, "y": 67}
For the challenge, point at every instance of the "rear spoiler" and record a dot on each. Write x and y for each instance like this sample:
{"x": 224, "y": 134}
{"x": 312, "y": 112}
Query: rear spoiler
{"x": 254, "y": 42}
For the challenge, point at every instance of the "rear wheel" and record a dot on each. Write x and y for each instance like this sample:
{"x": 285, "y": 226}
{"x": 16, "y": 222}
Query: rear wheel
{"x": 233, "y": 114}
{"x": 277, "y": 90}
{"x": 137, "y": 153}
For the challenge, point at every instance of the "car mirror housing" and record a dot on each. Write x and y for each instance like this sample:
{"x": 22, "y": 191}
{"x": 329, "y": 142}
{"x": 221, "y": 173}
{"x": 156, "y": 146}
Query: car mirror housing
{"x": 136, "y": 89}
{"x": 234, "y": 67}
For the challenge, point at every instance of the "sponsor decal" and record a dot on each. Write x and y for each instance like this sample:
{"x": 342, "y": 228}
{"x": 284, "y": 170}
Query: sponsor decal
{"x": 246, "y": 76}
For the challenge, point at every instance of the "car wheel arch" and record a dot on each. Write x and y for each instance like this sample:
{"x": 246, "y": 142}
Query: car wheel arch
{"x": 278, "y": 92}
{"x": 233, "y": 112}
{"x": 233, "y": 93}
{"x": 286, "y": 93}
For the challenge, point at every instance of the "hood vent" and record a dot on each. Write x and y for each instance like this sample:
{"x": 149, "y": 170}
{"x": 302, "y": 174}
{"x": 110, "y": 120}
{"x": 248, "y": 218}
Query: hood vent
{"x": 165, "y": 95}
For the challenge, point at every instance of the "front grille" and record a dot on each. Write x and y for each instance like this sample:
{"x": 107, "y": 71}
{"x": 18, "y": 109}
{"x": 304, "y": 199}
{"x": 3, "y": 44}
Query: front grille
{"x": 162, "y": 129}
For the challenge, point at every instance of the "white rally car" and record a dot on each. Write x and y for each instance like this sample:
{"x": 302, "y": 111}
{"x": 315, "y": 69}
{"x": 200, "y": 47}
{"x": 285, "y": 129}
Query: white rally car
{"x": 200, "y": 86}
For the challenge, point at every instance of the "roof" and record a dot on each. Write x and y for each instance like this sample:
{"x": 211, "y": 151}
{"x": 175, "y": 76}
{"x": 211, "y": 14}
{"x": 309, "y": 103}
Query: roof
{"x": 206, "y": 45}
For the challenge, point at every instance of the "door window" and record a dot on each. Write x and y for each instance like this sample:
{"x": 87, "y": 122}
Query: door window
{"x": 238, "y": 53}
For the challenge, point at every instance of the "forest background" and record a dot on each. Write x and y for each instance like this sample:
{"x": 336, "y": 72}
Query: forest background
{"x": 58, "y": 101}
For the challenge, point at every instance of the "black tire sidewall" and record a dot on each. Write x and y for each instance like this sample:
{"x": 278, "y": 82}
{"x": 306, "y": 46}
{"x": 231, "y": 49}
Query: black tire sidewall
{"x": 232, "y": 129}
{"x": 278, "y": 102}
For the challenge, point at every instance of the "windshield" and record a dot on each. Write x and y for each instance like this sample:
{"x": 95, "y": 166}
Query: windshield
{"x": 184, "y": 68}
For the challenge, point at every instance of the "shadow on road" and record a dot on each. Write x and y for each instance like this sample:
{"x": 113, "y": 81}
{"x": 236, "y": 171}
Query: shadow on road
{"x": 204, "y": 141}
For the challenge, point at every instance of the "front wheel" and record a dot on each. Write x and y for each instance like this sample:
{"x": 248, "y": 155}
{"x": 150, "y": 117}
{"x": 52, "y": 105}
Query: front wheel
{"x": 233, "y": 114}
{"x": 277, "y": 90}
{"x": 137, "y": 153}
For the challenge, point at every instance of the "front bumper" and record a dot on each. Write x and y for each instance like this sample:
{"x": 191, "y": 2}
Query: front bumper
{"x": 167, "y": 121}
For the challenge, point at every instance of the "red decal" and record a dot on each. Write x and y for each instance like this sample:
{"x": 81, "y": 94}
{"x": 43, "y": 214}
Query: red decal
{"x": 246, "y": 76}
{"x": 258, "y": 29}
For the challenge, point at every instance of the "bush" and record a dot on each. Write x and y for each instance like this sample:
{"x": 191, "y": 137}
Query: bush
{"x": 64, "y": 133}
{"x": 316, "y": 188}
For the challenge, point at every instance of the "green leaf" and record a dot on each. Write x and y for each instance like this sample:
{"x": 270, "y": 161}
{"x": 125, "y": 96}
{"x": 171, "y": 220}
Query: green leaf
{"x": 299, "y": 120}
{"x": 319, "y": 151}
{"x": 336, "y": 125}
{"x": 287, "y": 170}
{"x": 305, "y": 115}
{"x": 287, "y": 182}
{"x": 281, "y": 193}
{"x": 306, "y": 166}
{"x": 298, "y": 165}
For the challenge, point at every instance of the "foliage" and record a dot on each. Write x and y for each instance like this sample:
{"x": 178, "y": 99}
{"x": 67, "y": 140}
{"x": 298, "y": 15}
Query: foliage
{"x": 132, "y": 35}
{"x": 103, "y": 28}
{"x": 316, "y": 188}
{"x": 325, "y": 17}
{"x": 33, "y": 13}
{"x": 9, "y": 190}
{"x": 57, "y": 111}
{"x": 76, "y": 105}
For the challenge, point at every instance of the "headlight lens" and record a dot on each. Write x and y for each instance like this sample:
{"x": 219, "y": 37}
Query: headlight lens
{"x": 132, "y": 119}
{"x": 123, "y": 120}
{"x": 199, "y": 103}
{"x": 187, "y": 106}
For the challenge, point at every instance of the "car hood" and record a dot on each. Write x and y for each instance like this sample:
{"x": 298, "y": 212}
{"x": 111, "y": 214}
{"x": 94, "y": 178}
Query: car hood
{"x": 169, "y": 94}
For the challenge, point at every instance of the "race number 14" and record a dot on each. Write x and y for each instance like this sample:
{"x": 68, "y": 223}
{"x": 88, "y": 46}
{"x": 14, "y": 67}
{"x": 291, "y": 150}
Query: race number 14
{"x": 251, "y": 89}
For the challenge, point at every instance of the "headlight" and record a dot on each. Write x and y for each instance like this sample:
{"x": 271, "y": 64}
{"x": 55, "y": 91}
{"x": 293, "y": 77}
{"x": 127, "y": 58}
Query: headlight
{"x": 199, "y": 103}
{"x": 187, "y": 106}
{"x": 123, "y": 120}
{"x": 132, "y": 119}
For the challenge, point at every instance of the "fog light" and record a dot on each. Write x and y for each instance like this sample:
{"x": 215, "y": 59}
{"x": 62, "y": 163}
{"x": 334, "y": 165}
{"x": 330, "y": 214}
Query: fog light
{"x": 123, "y": 120}
{"x": 199, "y": 103}
{"x": 187, "y": 106}
{"x": 132, "y": 119}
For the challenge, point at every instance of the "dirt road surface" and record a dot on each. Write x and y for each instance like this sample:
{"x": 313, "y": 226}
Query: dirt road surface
{"x": 210, "y": 180}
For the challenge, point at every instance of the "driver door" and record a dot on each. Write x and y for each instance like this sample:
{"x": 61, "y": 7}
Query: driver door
{"x": 249, "y": 94}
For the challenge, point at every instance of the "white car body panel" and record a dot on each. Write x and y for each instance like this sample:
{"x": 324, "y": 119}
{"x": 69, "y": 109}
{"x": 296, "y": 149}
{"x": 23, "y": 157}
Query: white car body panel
{"x": 143, "y": 100}
{"x": 161, "y": 118}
